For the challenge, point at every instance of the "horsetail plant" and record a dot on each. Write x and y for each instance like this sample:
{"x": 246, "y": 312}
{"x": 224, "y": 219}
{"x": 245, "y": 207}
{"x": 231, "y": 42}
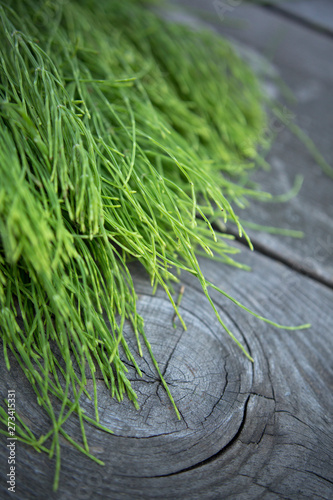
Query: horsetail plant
{"x": 122, "y": 136}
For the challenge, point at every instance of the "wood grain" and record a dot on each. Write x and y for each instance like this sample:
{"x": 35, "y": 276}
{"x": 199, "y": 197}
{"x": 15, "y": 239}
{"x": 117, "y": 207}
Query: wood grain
{"x": 247, "y": 430}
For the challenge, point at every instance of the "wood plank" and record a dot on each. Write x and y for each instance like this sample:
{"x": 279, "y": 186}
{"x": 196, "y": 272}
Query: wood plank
{"x": 248, "y": 431}
{"x": 261, "y": 430}
{"x": 303, "y": 60}
{"x": 318, "y": 15}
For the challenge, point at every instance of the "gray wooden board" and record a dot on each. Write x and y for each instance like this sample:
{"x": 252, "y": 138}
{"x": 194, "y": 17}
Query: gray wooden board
{"x": 247, "y": 431}
{"x": 318, "y": 14}
{"x": 303, "y": 59}
{"x": 261, "y": 430}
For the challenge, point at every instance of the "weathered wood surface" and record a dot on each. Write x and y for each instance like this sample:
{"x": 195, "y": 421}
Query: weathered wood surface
{"x": 248, "y": 431}
{"x": 303, "y": 59}
{"x": 316, "y": 14}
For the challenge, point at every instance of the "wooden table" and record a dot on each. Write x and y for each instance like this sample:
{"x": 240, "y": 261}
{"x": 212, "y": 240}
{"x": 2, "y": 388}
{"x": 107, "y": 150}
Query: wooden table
{"x": 248, "y": 431}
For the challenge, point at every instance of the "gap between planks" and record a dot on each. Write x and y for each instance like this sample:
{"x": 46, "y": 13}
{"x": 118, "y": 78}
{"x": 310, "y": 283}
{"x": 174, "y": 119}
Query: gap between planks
{"x": 305, "y": 21}
{"x": 261, "y": 248}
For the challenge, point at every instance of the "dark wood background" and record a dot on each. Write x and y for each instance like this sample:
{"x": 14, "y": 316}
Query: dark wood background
{"x": 248, "y": 431}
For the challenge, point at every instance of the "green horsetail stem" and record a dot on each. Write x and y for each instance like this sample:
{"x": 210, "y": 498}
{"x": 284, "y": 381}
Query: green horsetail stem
{"x": 122, "y": 136}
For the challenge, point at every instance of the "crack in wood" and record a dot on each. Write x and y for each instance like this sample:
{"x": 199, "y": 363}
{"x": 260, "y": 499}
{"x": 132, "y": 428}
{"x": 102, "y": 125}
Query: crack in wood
{"x": 216, "y": 455}
{"x": 318, "y": 475}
